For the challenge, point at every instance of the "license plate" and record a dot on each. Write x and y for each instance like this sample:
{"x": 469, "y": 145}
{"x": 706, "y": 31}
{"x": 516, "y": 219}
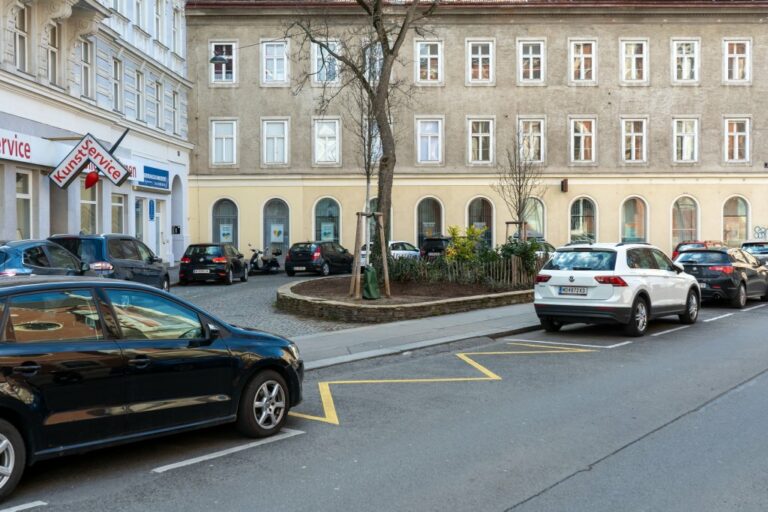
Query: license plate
{"x": 201, "y": 271}
{"x": 433, "y": 254}
{"x": 299, "y": 268}
{"x": 702, "y": 285}
{"x": 573, "y": 290}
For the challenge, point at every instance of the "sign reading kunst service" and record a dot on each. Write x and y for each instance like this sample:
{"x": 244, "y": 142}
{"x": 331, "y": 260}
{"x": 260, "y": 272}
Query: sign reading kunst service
{"x": 89, "y": 150}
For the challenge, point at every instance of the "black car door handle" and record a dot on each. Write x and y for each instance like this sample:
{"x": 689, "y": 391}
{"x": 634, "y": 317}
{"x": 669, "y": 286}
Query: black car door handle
{"x": 139, "y": 362}
{"x": 27, "y": 368}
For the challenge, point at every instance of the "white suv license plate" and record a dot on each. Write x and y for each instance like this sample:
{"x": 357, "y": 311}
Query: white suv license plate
{"x": 298, "y": 269}
{"x": 573, "y": 290}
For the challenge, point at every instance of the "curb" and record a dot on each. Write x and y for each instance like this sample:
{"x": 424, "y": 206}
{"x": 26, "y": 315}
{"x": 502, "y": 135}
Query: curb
{"x": 399, "y": 349}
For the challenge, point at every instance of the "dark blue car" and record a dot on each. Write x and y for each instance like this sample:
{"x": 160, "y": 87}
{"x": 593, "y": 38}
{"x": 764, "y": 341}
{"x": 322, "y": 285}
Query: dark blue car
{"x": 38, "y": 257}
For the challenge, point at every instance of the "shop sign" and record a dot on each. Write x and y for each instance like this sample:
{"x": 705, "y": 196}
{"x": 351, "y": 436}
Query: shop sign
{"x": 226, "y": 233}
{"x": 151, "y": 209}
{"x": 155, "y": 178}
{"x": 88, "y": 150}
{"x": 327, "y": 231}
{"x": 29, "y": 149}
{"x": 135, "y": 170}
{"x": 277, "y": 234}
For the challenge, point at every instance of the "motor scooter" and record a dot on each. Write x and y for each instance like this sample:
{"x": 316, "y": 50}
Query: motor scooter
{"x": 264, "y": 261}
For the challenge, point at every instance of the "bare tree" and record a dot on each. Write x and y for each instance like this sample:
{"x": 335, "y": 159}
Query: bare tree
{"x": 361, "y": 48}
{"x": 519, "y": 181}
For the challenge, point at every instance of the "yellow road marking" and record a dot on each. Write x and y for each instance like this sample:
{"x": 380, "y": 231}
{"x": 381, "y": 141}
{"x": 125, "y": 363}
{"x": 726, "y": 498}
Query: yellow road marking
{"x": 329, "y": 408}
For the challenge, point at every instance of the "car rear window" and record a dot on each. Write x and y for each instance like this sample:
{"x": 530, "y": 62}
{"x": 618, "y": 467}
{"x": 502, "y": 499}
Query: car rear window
{"x": 87, "y": 249}
{"x": 582, "y": 260}
{"x": 203, "y": 250}
{"x": 750, "y": 248}
{"x": 435, "y": 244}
{"x": 703, "y": 257}
{"x": 687, "y": 247}
{"x": 302, "y": 247}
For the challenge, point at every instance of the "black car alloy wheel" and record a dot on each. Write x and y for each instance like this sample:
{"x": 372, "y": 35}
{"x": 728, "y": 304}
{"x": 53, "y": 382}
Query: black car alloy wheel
{"x": 264, "y": 405}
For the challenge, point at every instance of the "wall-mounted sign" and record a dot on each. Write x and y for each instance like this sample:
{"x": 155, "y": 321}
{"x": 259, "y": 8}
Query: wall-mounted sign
{"x": 21, "y": 147}
{"x": 154, "y": 178}
{"x": 277, "y": 234}
{"x": 226, "y": 233}
{"x": 88, "y": 150}
{"x": 327, "y": 231}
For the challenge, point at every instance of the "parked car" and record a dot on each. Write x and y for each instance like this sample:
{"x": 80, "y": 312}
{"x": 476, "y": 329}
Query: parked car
{"x": 90, "y": 363}
{"x": 623, "y": 283}
{"x": 545, "y": 249}
{"x": 398, "y": 249}
{"x": 118, "y": 257}
{"x": 694, "y": 244}
{"x": 730, "y": 274}
{"x": 757, "y": 248}
{"x": 321, "y": 257}
{"x": 217, "y": 262}
{"x": 38, "y": 257}
{"x": 434, "y": 247}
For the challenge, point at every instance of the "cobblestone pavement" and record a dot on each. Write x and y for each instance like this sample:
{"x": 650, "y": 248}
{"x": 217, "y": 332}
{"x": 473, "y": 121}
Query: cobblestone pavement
{"x": 251, "y": 304}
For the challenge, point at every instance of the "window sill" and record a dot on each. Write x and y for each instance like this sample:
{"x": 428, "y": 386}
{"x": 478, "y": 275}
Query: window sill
{"x": 686, "y": 84}
{"x": 574, "y": 83}
{"x": 223, "y": 85}
{"x": 429, "y": 84}
{"x": 469, "y": 83}
{"x": 737, "y": 84}
{"x": 525, "y": 83}
{"x": 635, "y": 84}
{"x": 276, "y": 84}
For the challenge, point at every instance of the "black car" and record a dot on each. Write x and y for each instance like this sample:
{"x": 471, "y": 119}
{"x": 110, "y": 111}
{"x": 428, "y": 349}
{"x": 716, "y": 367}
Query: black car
{"x": 38, "y": 257}
{"x": 205, "y": 262}
{"x": 730, "y": 274}
{"x": 118, "y": 257}
{"x": 757, "y": 248}
{"x": 88, "y": 362}
{"x": 321, "y": 257}
{"x": 434, "y": 247}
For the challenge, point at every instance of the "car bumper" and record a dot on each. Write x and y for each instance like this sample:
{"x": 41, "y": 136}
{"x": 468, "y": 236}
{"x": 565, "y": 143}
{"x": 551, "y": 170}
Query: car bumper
{"x": 584, "y": 314}
{"x": 188, "y": 274}
{"x": 311, "y": 266}
{"x": 718, "y": 288}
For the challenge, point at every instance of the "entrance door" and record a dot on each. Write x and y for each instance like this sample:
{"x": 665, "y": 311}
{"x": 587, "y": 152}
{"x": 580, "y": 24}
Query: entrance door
{"x": 277, "y": 228}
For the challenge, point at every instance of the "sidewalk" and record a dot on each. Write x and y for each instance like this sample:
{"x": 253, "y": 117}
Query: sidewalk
{"x": 336, "y": 347}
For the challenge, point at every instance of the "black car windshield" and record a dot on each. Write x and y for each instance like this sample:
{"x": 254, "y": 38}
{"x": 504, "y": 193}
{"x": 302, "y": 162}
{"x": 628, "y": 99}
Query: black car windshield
{"x": 759, "y": 248}
{"x": 87, "y": 249}
{"x": 582, "y": 260}
{"x": 204, "y": 250}
{"x": 703, "y": 257}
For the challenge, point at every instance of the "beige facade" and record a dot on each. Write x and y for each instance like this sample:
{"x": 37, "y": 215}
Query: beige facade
{"x": 674, "y": 102}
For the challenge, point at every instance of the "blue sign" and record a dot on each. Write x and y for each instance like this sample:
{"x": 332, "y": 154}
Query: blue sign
{"x": 155, "y": 178}
{"x": 152, "y": 209}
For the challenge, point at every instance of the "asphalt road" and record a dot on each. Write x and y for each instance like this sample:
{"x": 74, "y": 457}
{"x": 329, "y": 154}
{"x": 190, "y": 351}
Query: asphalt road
{"x": 582, "y": 420}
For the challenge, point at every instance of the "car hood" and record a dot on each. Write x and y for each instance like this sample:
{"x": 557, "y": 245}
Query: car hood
{"x": 258, "y": 334}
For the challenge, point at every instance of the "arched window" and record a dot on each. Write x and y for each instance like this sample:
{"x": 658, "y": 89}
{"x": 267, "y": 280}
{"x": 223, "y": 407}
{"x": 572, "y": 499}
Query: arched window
{"x": 327, "y": 220}
{"x": 430, "y": 219}
{"x": 225, "y": 222}
{"x": 685, "y": 225}
{"x": 583, "y": 221}
{"x": 735, "y": 221}
{"x": 277, "y": 226}
{"x": 481, "y": 216}
{"x": 534, "y": 218}
{"x": 633, "y": 221}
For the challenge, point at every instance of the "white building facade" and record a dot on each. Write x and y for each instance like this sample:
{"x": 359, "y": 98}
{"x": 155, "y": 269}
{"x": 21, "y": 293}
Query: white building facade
{"x": 68, "y": 68}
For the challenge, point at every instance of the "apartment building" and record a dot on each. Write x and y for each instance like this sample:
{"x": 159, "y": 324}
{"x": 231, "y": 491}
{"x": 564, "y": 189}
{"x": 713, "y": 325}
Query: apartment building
{"x": 68, "y": 68}
{"x": 647, "y": 119}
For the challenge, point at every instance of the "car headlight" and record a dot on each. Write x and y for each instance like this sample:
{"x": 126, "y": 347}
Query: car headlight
{"x": 294, "y": 349}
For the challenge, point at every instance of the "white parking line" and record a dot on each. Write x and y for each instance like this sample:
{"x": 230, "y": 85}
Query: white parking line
{"x": 662, "y": 333}
{"x": 755, "y": 307}
{"x": 718, "y": 317}
{"x": 25, "y": 506}
{"x": 284, "y": 434}
{"x": 570, "y": 344}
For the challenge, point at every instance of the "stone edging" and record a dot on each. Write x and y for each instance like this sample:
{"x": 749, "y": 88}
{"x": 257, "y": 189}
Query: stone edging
{"x": 292, "y": 302}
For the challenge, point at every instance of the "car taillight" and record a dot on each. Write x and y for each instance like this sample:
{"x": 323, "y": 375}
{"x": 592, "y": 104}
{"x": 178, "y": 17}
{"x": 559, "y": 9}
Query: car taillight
{"x": 675, "y": 254}
{"x": 541, "y": 278}
{"x": 725, "y": 269}
{"x": 101, "y": 265}
{"x": 220, "y": 259}
{"x": 316, "y": 255}
{"x": 612, "y": 280}
{"x": 288, "y": 257}
{"x": 186, "y": 260}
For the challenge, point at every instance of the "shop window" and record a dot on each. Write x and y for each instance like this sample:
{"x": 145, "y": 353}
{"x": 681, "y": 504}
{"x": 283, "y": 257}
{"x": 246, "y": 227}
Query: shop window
{"x": 327, "y": 220}
{"x": 534, "y": 218}
{"x": 735, "y": 221}
{"x": 583, "y": 225}
{"x": 89, "y": 209}
{"x": 480, "y": 215}
{"x": 225, "y": 217}
{"x": 685, "y": 225}
{"x": 23, "y": 205}
{"x": 429, "y": 219}
{"x": 633, "y": 221}
{"x": 118, "y": 213}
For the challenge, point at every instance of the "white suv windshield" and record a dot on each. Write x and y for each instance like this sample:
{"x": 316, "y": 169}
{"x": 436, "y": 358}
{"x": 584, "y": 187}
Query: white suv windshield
{"x": 582, "y": 260}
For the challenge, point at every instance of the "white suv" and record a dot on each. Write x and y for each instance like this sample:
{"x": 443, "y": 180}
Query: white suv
{"x": 625, "y": 283}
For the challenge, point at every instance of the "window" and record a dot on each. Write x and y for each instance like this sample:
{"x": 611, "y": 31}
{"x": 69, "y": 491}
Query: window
{"x": 52, "y": 51}
{"x": 23, "y": 205}
{"x": 139, "y": 95}
{"x": 737, "y": 140}
{"x": 480, "y": 216}
{"x": 531, "y": 58}
{"x": 429, "y": 219}
{"x": 53, "y": 316}
{"x": 138, "y": 12}
{"x": 89, "y": 209}
{"x": 35, "y": 257}
{"x": 118, "y": 213}
{"x": 534, "y": 218}
{"x": 86, "y": 69}
{"x": 325, "y": 67}
{"x": 684, "y": 220}
{"x": 117, "y": 85}
{"x": 583, "y": 62}
{"x": 737, "y": 60}
{"x": 177, "y": 43}
{"x": 146, "y": 316}
{"x": 225, "y": 216}
{"x": 735, "y": 221}
{"x": 374, "y": 149}
{"x": 480, "y": 141}
{"x": 634, "y": 62}
{"x": 633, "y": 140}
{"x": 429, "y": 135}
{"x": 583, "y": 140}
{"x": 224, "y": 134}
{"x": 327, "y": 141}
{"x": 327, "y": 220}
{"x": 123, "y": 249}
{"x": 159, "y": 109}
{"x": 223, "y": 72}
{"x": 21, "y": 39}
{"x": 429, "y": 62}
{"x": 61, "y": 258}
{"x": 531, "y": 137}
{"x": 686, "y": 140}
{"x": 374, "y": 61}
{"x": 275, "y": 141}
{"x": 583, "y": 221}
{"x": 159, "y": 20}
{"x": 633, "y": 221}
{"x": 685, "y": 61}
{"x": 480, "y": 62}
{"x": 176, "y": 111}
{"x": 275, "y": 63}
